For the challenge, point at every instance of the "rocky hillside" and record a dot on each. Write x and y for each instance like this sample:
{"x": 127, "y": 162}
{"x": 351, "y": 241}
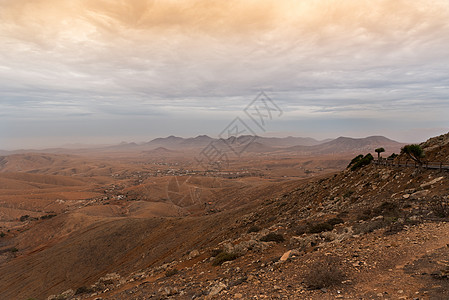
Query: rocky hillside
{"x": 437, "y": 148}
{"x": 378, "y": 232}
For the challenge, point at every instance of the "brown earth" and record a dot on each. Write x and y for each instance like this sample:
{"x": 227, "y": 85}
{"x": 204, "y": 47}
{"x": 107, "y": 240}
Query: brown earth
{"x": 68, "y": 220}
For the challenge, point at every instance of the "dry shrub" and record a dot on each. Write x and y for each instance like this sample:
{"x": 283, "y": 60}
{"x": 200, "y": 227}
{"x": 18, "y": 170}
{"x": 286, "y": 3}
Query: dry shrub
{"x": 440, "y": 208}
{"x": 223, "y": 257}
{"x": 321, "y": 227}
{"x": 324, "y": 273}
{"x": 253, "y": 229}
{"x": 171, "y": 272}
{"x": 273, "y": 237}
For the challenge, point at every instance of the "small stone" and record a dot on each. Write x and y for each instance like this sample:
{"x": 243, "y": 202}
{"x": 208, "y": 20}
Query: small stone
{"x": 419, "y": 194}
{"x": 238, "y": 296}
{"x": 193, "y": 254}
{"x": 215, "y": 290}
{"x": 286, "y": 256}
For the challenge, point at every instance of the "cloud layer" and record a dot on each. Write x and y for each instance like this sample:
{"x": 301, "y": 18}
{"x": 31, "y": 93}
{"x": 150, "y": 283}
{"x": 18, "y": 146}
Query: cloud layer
{"x": 176, "y": 60}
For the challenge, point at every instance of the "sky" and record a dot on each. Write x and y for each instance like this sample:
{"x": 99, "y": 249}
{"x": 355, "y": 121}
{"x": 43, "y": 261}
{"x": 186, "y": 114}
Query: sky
{"x": 106, "y": 71}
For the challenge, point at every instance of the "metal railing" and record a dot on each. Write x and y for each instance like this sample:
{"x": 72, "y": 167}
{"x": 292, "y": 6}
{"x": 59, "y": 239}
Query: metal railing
{"x": 435, "y": 165}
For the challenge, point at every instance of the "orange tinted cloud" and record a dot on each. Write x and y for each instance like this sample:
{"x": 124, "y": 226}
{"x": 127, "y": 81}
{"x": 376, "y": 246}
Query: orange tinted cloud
{"x": 336, "y": 56}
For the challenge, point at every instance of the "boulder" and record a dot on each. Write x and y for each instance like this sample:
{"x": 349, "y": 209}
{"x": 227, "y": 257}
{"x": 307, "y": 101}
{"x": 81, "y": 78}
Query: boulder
{"x": 216, "y": 289}
{"x": 194, "y": 254}
{"x": 419, "y": 194}
{"x": 430, "y": 183}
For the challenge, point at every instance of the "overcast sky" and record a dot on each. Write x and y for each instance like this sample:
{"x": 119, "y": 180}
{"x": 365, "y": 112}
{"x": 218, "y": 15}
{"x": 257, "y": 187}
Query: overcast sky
{"x": 103, "y": 71}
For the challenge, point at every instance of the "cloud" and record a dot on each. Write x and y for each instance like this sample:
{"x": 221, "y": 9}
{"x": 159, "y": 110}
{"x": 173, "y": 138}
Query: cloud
{"x": 83, "y": 58}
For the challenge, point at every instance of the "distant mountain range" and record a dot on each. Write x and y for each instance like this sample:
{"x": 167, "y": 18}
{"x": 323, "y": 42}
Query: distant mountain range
{"x": 297, "y": 145}
{"x": 349, "y": 145}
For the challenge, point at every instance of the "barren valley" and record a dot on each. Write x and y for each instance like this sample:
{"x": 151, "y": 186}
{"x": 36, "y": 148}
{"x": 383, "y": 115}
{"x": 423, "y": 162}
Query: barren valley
{"x": 146, "y": 221}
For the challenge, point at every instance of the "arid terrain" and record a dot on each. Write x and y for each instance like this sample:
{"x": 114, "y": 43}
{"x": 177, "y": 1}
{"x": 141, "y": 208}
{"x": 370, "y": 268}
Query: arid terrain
{"x": 284, "y": 219}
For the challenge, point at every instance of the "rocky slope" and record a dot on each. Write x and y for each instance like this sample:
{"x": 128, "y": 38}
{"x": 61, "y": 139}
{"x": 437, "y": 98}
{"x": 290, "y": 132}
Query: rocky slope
{"x": 379, "y": 232}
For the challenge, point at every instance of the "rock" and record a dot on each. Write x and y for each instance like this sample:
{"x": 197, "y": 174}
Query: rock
{"x": 216, "y": 289}
{"x": 406, "y": 196}
{"x": 238, "y": 296}
{"x": 110, "y": 278}
{"x": 228, "y": 247}
{"x": 415, "y": 218}
{"x": 305, "y": 242}
{"x": 430, "y": 183}
{"x": 168, "y": 291}
{"x": 65, "y": 295}
{"x": 328, "y": 236}
{"x": 286, "y": 256}
{"x": 107, "y": 280}
{"x": 244, "y": 246}
{"x": 194, "y": 254}
{"x": 419, "y": 194}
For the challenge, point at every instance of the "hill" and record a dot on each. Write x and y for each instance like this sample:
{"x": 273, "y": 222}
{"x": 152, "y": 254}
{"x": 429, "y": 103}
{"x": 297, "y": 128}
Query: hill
{"x": 437, "y": 148}
{"x": 375, "y": 231}
{"x": 350, "y": 145}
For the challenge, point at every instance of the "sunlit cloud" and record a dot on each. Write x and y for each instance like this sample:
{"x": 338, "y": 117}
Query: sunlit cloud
{"x": 108, "y": 58}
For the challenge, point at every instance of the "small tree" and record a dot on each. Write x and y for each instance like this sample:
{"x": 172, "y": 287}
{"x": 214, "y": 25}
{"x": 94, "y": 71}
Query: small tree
{"x": 414, "y": 151}
{"x": 379, "y": 151}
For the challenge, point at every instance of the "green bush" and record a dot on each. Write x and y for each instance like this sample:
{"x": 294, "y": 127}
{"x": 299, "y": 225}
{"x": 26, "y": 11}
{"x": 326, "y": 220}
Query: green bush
{"x": 355, "y": 160}
{"x": 222, "y": 257}
{"x": 414, "y": 151}
{"x": 366, "y": 160}
{"x": 273, "y": 237}
{"x": 2, "y": 234}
